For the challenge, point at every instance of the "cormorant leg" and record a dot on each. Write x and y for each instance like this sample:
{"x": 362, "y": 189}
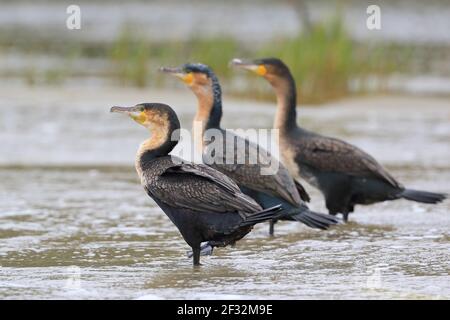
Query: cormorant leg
{"x": 196, "y": 256}
{"x": 345, "y": 215}
{"x": 272, "y": 227}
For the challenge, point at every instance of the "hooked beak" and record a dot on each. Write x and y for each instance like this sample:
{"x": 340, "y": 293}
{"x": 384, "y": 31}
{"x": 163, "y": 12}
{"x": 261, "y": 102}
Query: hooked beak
{"x": 173, "y": 71}
{"x": 179, "y": 73}
{"x": 132, "y": 112}
{"x": 259, "y": 69}
{"x": 122, "y": 109}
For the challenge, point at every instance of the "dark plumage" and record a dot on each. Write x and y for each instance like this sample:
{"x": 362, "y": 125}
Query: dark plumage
{"x": 345, "y": 174}
{"x": 267, "y": 190}
{"x": 203, "y": 203}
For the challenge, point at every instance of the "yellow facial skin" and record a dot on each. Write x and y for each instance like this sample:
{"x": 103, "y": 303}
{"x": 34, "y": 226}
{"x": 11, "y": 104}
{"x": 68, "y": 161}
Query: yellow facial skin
{"x": 193, "y": 79}
{"x": 139, "y": 117}
{"x": 188, "y": 78}
{"x": 261, "y": 70}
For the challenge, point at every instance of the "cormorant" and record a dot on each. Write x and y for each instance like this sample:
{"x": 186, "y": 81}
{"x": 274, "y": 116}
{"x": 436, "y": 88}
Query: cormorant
{"x": 267, "y": 190}
{"x": 202, "y": 202}
{"x": 345, "y": 174}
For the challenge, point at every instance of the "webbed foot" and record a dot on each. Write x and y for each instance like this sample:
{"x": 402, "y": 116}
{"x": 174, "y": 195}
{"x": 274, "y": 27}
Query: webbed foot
{"x": 205, "y": 250}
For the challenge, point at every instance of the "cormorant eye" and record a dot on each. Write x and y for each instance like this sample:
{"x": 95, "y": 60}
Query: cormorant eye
{"x": 142, "y": 109}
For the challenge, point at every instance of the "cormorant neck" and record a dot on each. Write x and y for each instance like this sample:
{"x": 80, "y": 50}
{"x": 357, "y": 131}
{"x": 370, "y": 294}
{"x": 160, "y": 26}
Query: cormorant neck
{"x": 285, "y": 90}
{"x": 209, "y": 109}
{"x": 163, "y": 139}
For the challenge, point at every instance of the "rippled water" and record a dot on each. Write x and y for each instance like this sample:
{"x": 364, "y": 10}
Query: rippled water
{"x": 75, "y": 223}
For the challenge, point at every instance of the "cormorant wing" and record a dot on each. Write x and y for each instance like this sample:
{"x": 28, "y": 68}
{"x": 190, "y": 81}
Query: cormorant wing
{"x": 302, "y": 191}
{"x": 334, "y": 155}
{"x": 201, "y": 188}
{"x": 248, "y": 174}
{"x": 208, "y": 173}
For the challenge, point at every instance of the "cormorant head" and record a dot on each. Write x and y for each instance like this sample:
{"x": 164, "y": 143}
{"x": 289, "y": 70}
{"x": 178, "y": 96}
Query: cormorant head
{"x": 154, "y": 116}
{"x": 270, "y": 68}
{"x": 199, "y": 77}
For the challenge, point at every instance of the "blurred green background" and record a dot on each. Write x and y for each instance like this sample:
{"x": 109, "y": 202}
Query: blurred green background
{"x": 326, "y": 43}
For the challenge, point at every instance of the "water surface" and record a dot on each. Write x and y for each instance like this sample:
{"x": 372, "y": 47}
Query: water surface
{"x": 75, "y": 223}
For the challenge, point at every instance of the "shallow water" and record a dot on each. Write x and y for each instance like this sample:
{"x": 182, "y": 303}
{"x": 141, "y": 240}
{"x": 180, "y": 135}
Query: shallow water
{"x": 75, "y": 223}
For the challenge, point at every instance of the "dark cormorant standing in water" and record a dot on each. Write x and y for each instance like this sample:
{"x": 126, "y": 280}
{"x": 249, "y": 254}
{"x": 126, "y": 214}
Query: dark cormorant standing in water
{"x": 267, "y": 190}
{"x": 203, "y": 203}
{"x": 345, "y": 174}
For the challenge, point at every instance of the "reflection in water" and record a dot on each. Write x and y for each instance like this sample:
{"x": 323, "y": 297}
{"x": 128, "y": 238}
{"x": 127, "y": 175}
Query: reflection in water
{"x": 86, "y": 230}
